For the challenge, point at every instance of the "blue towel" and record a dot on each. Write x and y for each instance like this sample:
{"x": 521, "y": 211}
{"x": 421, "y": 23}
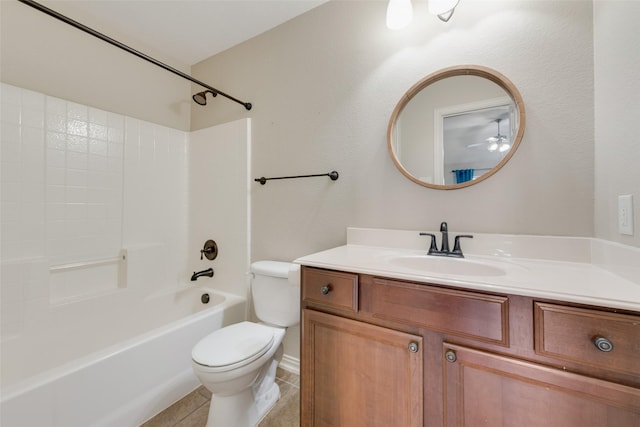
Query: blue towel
{"x": 463, "y": 175}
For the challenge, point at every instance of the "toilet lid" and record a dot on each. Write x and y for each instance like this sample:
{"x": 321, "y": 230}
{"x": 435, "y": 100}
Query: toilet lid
{"x": 240, "y": 342}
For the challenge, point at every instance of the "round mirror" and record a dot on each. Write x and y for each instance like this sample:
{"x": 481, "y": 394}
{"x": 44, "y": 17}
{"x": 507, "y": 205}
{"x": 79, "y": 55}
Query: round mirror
{"x": 456, "y": 127}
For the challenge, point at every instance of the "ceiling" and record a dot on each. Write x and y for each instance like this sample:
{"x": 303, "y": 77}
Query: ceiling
{"x": 186, "y": 30}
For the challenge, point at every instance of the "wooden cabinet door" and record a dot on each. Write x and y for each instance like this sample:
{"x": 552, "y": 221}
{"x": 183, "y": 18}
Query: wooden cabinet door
{"x": 483, "y": 389}
{"x": 356, "y": 374}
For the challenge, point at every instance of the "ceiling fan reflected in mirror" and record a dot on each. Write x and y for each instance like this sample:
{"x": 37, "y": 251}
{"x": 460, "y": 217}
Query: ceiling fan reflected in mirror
{"x": 497, "y": 142}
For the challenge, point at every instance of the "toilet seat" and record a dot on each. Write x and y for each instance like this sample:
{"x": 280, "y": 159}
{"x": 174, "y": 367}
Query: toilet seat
{"x": 233, "y": 346}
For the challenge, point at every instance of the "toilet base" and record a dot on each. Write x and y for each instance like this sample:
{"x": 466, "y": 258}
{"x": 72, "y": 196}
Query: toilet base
{"x": 266, "y": 392}
{"x": 247, "y": 408}
{"x": 241, "y": 410}
{"x": 267, "y": 401}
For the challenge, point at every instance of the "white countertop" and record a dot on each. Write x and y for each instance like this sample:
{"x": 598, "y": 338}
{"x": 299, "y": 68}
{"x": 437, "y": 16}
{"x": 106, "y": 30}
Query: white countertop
{"x": 570, "y": 281}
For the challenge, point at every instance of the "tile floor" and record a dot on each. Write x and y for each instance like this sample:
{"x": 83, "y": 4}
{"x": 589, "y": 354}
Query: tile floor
{"x": 192, "y": 410}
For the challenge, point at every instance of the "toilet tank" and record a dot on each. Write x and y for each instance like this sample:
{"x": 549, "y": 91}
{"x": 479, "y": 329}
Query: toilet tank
{"x": 275, "y": 287}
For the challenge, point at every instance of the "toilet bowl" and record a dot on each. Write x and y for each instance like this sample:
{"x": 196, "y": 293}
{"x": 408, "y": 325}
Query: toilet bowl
{"x": 238, "y": 363}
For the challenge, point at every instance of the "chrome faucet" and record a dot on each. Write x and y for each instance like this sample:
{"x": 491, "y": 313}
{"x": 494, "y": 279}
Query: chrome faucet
{"x": 444, "y": 245}
{"x": 206, "y": 273}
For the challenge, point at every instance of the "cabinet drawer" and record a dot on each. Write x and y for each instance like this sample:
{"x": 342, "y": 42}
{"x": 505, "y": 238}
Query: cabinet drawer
{"x": 571, "y": 333}
{"x": 330, "y": 288}
{"x": 468, "y": 314}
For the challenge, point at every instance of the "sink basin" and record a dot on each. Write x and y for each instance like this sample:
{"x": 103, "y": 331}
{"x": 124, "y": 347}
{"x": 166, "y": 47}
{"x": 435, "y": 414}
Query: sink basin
{"x": 449, "y": 266}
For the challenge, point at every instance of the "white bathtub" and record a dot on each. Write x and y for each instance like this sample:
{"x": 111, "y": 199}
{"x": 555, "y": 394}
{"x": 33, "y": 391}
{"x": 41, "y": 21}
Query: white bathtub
{"x": 122, "y": 384}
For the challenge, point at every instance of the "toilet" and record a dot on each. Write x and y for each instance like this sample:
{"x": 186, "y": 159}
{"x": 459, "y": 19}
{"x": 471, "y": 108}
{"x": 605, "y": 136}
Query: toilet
{"x": 238, "y": 363}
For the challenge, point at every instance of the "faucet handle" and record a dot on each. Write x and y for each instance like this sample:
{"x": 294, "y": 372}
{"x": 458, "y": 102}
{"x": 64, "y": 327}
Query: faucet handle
{"x": 210, "y": 250}
{"x": 433, "y": 248}
{"x": 456, "y": 244}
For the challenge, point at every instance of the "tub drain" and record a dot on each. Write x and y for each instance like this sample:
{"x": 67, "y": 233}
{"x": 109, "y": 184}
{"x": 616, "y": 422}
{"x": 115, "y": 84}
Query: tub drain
{"x": 205, "y": 298}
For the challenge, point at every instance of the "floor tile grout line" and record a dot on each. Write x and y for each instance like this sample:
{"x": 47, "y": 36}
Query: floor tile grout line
{"x": 206, "y": 402}
{"x": 291, "y": 384}
{"x": 288, "y": 382}
{"x": 193, "y": 412}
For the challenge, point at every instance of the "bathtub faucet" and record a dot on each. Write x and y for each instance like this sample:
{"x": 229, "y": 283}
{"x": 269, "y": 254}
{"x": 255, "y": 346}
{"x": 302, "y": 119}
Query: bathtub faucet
{"x": 208, "y": 273}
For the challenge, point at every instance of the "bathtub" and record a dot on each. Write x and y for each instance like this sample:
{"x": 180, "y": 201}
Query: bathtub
{"x": 129, "y": 376}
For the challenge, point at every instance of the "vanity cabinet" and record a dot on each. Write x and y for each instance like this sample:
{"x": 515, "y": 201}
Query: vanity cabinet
{"x": 355, "y": 373}
{"x": 378, "y": 351}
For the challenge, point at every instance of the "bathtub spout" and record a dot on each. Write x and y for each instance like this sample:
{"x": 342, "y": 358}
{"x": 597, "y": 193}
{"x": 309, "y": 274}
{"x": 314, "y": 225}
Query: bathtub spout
{"x": 208, "y": 273}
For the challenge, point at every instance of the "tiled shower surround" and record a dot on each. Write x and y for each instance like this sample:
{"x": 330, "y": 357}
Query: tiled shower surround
{"x": 81, "y": 188}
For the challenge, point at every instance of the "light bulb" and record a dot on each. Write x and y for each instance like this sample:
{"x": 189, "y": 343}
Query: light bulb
{"x": 493, "y": 146}
{"x": 504, "y": 147}
{"x": 399, "y": 14}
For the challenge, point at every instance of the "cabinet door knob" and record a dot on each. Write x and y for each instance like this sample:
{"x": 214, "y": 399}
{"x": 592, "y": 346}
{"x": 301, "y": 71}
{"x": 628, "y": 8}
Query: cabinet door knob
{"x": 603, "y": 344}
{"x": 413, "y": 347}
{"x": 450, "y": 356}
{"x": 325, "y": 289}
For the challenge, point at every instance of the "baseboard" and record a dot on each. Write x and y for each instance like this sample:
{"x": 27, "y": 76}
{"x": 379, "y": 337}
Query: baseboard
{"x": 291, "y": 364}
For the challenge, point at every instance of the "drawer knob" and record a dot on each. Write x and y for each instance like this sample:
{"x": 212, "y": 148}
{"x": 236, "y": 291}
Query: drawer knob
{"x": 450, "y": 356}
{"x": 603, "y": 344}
{"x": 413, "y": 347}
{"x": 325, "y": 289}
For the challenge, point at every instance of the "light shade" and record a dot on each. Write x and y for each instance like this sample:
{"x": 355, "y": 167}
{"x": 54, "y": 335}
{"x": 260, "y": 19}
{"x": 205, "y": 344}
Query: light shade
{"x": 504, "y": 147}
{"x": 399, "y": 14}
{"x": 443, "y": 8}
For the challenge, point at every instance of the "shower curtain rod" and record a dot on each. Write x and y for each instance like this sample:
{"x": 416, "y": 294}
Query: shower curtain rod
{"x": 123, "y": 46}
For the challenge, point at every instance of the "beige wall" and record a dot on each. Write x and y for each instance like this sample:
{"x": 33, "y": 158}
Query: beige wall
{"x": 324, "y": 85}
{"x": 43, "y": 54}
{"x": 617, "y": 101}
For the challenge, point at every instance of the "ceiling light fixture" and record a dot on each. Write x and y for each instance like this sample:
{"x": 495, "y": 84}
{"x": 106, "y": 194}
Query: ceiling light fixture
{"x": 498, "y": 142}
{"x": 443, "y": 9}
{"x": 399, "y": 14}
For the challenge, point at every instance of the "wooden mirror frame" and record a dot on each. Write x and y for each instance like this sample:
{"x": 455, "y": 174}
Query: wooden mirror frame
{"x": 462, "y": 70}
